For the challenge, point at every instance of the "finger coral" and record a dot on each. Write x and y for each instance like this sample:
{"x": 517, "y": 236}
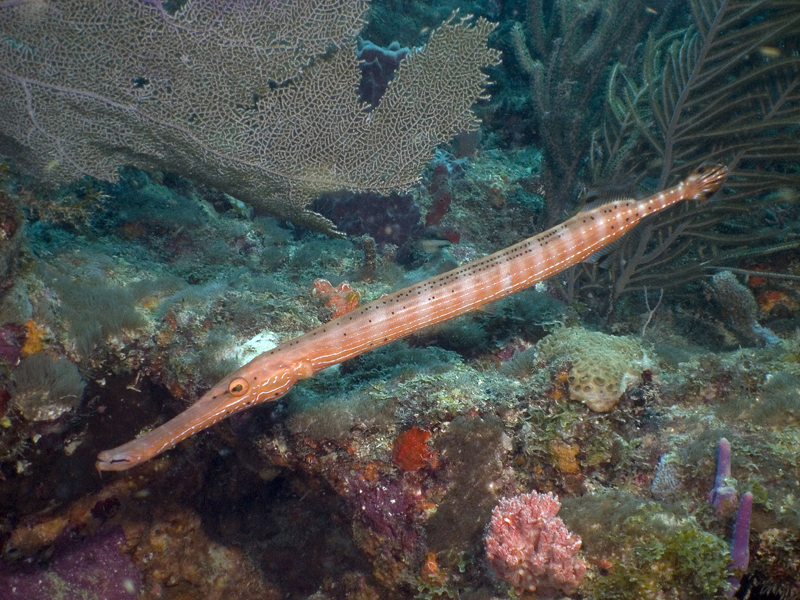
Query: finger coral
{"x": 530, "y": 548}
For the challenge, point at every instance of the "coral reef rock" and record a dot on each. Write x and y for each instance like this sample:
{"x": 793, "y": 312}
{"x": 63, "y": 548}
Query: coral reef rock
{"x": 44, "y": 388}
{"x": 91, "y": 569}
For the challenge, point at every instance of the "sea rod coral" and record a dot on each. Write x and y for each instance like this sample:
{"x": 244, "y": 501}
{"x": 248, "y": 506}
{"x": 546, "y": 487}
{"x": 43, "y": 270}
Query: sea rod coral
{"x": 530, "y": 548}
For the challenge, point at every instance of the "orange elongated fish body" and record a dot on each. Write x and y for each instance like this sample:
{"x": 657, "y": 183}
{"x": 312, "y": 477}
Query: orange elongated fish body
{"x": 271, "y": 374}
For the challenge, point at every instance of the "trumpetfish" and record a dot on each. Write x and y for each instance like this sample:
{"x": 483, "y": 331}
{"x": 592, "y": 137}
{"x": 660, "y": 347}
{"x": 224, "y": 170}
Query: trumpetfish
{"x": 466, "y": 288}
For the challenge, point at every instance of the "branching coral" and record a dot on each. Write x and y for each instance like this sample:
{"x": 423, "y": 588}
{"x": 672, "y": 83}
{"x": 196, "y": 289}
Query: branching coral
{"x": 718, "y": 82}
{"x": 725, "y": 88}
{"x": 563, "y": 49}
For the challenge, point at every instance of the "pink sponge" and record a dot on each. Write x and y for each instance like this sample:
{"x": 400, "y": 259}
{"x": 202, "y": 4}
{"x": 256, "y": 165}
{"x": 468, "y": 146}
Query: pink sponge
{"x": 530, "y": 548}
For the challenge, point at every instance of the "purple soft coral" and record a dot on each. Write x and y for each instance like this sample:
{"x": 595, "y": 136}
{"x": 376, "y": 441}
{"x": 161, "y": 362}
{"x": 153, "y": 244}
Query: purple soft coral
{"x": 723, "y": 495}
{"x": 740, "y": 546}
{"x": 91, "y": 569}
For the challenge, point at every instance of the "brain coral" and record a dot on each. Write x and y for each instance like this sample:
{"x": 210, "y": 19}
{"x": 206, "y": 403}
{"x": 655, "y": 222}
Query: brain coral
{"x": 603, "y": 366}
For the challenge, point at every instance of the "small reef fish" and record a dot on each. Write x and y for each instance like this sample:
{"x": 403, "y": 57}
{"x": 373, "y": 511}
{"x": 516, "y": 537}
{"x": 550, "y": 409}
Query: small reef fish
{"x": 271, "y": 374}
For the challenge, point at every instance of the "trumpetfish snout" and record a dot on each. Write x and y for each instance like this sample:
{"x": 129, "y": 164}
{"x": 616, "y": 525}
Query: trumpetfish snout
{"x": 270, "y": 375}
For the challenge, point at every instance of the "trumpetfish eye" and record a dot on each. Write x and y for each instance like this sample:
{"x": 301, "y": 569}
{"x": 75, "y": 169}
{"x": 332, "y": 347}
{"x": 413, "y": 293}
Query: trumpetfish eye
{"x": 238, "y": 386}
{"x": 408, "y": 310}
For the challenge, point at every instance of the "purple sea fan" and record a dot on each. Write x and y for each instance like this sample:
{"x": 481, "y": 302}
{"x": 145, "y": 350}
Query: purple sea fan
{"x": 530, "y": 548}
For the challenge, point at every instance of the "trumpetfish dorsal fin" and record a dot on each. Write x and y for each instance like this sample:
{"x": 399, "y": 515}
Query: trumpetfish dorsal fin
{"x": 466, "y": 288}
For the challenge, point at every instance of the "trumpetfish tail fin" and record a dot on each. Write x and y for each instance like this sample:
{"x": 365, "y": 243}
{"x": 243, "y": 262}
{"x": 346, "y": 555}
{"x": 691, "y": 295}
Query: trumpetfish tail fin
{"x": 466, "y": 288}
